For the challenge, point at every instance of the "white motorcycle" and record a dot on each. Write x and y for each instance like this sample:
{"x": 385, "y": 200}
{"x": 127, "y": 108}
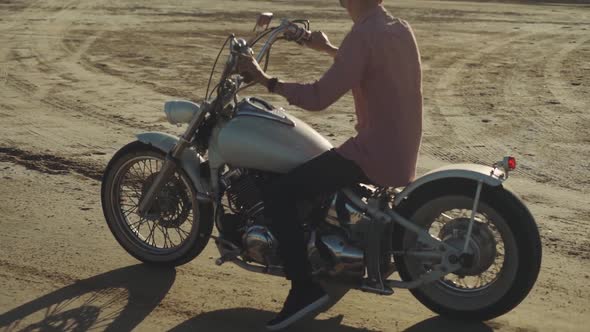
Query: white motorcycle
{"x": 464, "y": 245}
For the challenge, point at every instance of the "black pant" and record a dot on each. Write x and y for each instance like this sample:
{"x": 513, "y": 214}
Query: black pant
{"x": 322, "y": 175}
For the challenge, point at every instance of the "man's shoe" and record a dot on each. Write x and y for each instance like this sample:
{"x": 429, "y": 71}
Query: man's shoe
{"x": 299, "y": 303}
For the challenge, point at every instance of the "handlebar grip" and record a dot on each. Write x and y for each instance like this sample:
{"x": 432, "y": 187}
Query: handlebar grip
{"x": 297, "y": 34}
{"x": 305, "y": 37}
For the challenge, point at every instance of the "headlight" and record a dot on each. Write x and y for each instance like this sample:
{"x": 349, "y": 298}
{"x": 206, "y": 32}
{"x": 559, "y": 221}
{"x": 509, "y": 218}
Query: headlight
{"x": 180, "y": 111}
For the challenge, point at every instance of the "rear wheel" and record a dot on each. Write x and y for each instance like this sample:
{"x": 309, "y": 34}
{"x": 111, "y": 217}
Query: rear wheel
{"x": 505, "y": 244}
{"x": 177, "y": 227}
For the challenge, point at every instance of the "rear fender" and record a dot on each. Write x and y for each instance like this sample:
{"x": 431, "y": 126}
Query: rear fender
{"x": 190, "y": 160}
{"x": 490, "y": 176}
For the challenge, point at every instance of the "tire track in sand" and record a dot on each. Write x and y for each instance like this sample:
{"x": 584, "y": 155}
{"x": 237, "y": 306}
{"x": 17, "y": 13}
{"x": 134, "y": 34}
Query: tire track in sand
{"x": 542, "y": 114}
{"x": 456, "y": 117}
{"x": 48, "y": 59}
{"x": 50, "y": 164}
{"x": 469, "y": 135}
{"x": 42, "y": 72}
{"x": 558, "y": 86}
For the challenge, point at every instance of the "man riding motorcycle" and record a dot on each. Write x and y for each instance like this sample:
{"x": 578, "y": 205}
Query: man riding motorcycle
{"x": 379, "y": 61}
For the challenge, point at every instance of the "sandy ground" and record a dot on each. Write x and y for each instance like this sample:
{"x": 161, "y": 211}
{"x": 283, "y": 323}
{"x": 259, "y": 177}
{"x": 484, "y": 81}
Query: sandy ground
{"x": 79, "y": 78}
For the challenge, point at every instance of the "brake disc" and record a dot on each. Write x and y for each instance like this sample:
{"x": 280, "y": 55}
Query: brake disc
{"x": 171, "y": 206}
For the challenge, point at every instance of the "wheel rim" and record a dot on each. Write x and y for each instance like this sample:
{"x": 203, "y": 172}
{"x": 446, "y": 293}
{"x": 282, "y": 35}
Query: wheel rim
{"x": 170, "y": 222}
{"x": 490, "y": 281}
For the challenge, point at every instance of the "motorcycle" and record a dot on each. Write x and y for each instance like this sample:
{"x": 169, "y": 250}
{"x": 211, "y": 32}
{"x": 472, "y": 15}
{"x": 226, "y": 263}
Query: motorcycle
{"x": 461, "y": 242}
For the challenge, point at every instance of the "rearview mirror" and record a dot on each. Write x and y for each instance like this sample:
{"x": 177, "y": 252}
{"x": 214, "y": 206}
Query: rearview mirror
{"x": 263, "y": 21}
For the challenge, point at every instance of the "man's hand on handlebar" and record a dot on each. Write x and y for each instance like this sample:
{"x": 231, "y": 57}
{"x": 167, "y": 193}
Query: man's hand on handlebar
{"x": 320, "y": 42}
{"x": 249, "y": 68}
{"x": 316, "y": 40}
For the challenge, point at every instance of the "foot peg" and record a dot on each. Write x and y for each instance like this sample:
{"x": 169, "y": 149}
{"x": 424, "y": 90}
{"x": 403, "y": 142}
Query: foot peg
{"x": 376, "y": 288}
{"x": 220, "y": 261}
{"x": 227, "y": 257}
{"x": 228, "y": 250}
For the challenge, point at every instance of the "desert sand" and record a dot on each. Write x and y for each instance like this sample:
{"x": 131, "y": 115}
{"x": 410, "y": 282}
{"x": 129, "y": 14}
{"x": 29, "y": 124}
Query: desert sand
{"x": 78, "y": 79}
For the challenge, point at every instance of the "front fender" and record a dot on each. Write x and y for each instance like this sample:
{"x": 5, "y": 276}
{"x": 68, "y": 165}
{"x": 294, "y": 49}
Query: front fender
{"x": 488, "y": 175}
{"x": 190, "y": 160}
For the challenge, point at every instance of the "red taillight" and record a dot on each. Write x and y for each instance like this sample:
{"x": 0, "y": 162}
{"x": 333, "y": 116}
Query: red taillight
{"x": 511, "y": 163}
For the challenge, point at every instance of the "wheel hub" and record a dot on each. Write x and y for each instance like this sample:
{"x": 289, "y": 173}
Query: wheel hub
{"x": 171, "y": 205}
{"x": 481, "y": 247}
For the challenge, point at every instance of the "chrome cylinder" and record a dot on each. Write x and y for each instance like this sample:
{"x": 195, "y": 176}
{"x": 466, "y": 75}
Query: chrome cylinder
{"x": 260, "y": 246}
{"x": 349, "y": 260}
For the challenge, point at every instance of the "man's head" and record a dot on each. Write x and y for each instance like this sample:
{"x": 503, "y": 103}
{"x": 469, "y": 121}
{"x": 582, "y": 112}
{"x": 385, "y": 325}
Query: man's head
{"x": 357, "y": 8}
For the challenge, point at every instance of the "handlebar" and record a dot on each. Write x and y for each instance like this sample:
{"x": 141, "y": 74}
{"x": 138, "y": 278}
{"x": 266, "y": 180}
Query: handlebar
{"x": 290, "y": 30}
{"x": 297, "y": 31}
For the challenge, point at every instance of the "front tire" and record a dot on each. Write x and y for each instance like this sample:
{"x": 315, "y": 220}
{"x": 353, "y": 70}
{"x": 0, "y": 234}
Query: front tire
{"x": 509, "y": 249}
{"x": 177, "y": 227}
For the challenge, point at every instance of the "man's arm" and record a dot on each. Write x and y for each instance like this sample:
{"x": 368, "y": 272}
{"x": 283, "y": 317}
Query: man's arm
{"x": 350, "y": 62}
{"x": 349, "y": 65}
{"x": 318, "y": 42}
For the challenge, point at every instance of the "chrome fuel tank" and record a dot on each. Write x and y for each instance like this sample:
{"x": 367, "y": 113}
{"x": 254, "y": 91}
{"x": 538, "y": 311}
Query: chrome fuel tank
{"x": 262, "y": 137}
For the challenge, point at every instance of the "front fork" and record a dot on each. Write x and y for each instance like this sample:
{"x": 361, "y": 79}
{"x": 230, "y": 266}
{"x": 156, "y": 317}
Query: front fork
{"x": 170, "y": 163}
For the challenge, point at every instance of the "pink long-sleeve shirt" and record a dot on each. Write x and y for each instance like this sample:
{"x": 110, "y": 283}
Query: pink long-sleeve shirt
{"x": 379, "y": 60}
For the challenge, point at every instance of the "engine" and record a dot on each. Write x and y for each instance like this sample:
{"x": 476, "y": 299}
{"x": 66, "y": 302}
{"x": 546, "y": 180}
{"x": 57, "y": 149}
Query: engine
{"x": 330, "y": 247}
{"x": 246, "y": 226}
{"x": 244, "y": 193}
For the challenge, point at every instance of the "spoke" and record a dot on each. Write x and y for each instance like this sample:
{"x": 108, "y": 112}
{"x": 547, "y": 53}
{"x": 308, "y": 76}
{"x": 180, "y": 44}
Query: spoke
{"x": 134, "y": 202}
{"x": 127, "y": 188}
{"x": 138, "y": 171}
{"x": 179, "y": 234}
{"x": 135, "y": 172}
{"x": 151, "y": 235}
{"x": 134, "y": 199}
{"x": 139, "y": 223}
{"x": 462, "y": 283}
{"x": 150, "y": 166}
{"x": 126, "y": 204}
{"x": 446, "y": 216}
{"x": 126, "y": 213}
{"x": 144, "y": 167}
{"x": 185, "y": 232}
{"x": 167, "y": 236}
{"x": 133, "y": 190}
{"x": 161, "y": 230}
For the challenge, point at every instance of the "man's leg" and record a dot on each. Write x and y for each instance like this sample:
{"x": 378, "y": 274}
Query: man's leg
{"x": 322, "y": 175}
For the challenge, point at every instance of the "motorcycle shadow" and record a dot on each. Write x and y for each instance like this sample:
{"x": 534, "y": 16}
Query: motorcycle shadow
{"x": 121, "y": 299}
{"x": 117, "y": 300}
{"x": 441, "y": 324}
{"x": 250, "y": 320}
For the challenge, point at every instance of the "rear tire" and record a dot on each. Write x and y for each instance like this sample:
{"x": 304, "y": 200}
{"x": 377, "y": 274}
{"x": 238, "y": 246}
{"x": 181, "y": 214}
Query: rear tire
{"x": 194, "y": 216}
{"x": 521, "y": 260}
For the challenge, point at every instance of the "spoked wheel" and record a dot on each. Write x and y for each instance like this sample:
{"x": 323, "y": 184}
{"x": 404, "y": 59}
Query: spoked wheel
{"x": 175, "y": 229}
{"x": 505, "y": 245}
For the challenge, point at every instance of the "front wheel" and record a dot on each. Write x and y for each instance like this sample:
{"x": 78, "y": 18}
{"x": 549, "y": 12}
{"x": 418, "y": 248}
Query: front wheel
{"x": 177, "y": 227}
{"x": 505, "y": 244}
